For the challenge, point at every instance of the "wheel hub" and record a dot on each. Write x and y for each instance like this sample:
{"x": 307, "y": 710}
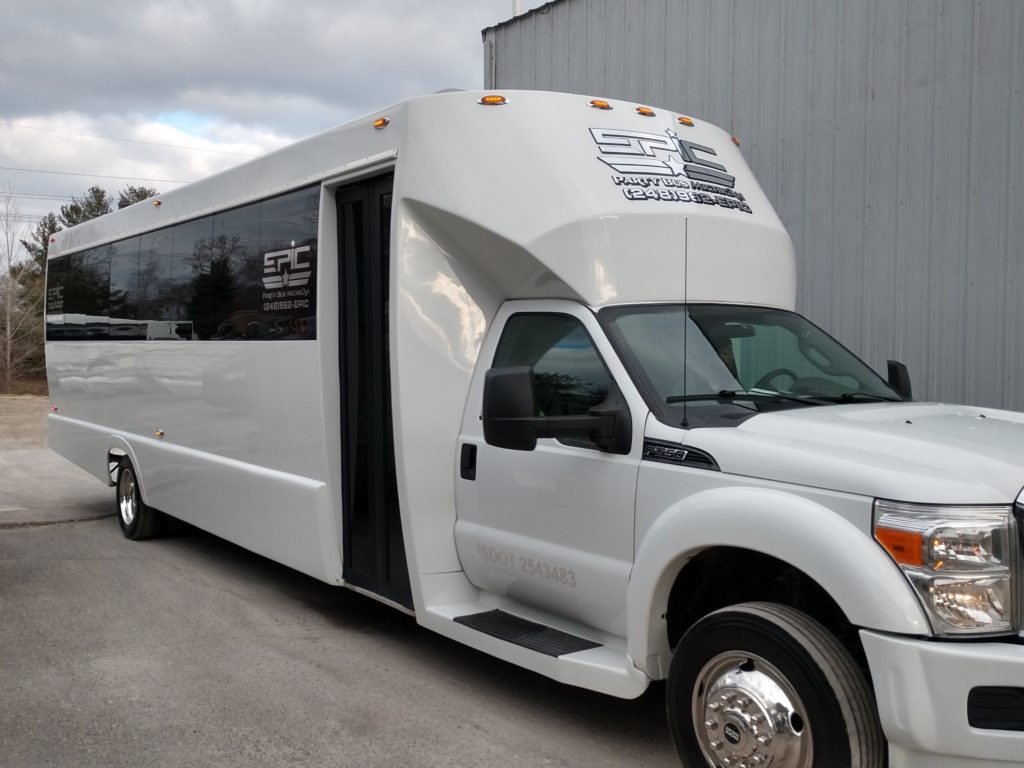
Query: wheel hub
{"x": 126, "y": 496}
{"x": 747, "y": 715}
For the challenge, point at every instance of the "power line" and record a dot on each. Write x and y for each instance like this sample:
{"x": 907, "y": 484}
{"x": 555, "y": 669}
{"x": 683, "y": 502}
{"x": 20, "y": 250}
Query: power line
{"x": 93, "y": 175}
{"x": 132, "y": 141}
{"x": 40, "y": 196}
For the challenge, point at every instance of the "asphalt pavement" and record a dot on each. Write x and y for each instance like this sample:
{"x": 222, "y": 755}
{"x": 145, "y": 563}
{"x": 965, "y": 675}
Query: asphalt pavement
{"x": 189, "y": 651}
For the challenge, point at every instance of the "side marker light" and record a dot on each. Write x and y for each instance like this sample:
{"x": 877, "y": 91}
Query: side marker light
{"x": 645, "y": 111}
{"x": 735, "y": 141}
{"x": 380, "y": 122}
{"x": 493, "y": 100}
{"x": 600, "y": 104}
{"x": 906, "y": 547}
{"x": 683, "y": 120}
{"x": 160, "y": 433}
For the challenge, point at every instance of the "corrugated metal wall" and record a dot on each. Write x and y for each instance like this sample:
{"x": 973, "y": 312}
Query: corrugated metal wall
{"x": 889, "y": 134}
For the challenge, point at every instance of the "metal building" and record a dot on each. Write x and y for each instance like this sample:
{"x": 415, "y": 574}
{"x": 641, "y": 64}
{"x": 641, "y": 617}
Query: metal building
{"x": 888, "y": 133}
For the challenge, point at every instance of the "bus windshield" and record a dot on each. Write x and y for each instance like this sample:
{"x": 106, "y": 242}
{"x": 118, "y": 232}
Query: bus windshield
{"x": 715, "y": 365}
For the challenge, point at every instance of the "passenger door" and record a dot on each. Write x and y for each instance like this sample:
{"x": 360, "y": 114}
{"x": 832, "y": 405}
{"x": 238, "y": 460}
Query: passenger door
{"x": 552, "y": 527}
{"x": 374, "y": 550}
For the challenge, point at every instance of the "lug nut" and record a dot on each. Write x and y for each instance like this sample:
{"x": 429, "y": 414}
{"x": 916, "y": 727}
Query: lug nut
{"x": 717, "y": 744}
{"x": 764, "y": 739}
{"x": 711, "y": 725}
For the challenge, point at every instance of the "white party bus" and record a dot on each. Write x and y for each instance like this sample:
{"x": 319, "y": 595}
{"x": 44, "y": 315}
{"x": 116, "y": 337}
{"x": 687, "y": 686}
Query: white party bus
{"x": 527, "y": 367}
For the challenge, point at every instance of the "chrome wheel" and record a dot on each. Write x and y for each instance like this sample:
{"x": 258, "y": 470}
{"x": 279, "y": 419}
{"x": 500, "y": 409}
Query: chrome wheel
{"x": 763, "y": 685}
{"x": 136, "y": 518}
{"x": 126, "y": 496}
{"x": 746, "y": 714}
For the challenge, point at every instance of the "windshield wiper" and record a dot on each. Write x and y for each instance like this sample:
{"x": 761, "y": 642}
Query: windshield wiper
{"x": 731, "y": 395}
{"x": 849, "y": 397}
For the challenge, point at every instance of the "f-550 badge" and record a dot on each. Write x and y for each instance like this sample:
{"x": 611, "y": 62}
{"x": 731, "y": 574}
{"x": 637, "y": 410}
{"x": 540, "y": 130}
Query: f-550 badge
{"x": 662, "y": 166}
{"x": 287, "y": 268}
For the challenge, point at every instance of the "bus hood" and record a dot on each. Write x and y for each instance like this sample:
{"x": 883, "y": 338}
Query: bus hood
{"x": 917, "y": 452}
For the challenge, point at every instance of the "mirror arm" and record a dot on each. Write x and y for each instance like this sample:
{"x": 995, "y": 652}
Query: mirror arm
{"x": 585, "y": 426}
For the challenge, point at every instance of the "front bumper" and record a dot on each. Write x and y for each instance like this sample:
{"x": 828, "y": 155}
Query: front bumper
{"x": 922, "y": 689}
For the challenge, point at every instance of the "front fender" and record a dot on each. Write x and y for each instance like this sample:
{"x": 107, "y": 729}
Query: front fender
{"x": 850, "y": 566}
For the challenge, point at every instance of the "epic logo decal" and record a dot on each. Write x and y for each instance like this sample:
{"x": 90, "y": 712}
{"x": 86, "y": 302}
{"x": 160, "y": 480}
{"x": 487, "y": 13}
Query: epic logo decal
{"x": 55, "y": 300}
{"x": 649, "y": 167}
{"x": 287, "y": 268}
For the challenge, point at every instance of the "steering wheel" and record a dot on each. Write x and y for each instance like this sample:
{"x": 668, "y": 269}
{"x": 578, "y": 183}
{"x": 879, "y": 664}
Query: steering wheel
{"x": 765, "y": 380}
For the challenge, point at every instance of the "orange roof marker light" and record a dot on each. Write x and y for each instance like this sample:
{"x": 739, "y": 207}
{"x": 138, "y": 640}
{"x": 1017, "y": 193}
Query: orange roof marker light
{"x": 646, "y": 111}
{"x": 381, "y": 122}
{"x": 600, "y": 104}
{"x": 736, "y": 140}
{"x": 493, "y": 100}
{"x": 684, "y": 120}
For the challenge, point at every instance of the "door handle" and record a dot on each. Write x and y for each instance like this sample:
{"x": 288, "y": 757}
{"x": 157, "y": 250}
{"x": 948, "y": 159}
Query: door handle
{"x": 467, "y": 462}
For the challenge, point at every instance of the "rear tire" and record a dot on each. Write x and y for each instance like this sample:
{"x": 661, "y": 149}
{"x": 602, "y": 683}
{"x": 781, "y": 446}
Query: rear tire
{"x": 763, "y": 684}
{"x": 137, "y": 520}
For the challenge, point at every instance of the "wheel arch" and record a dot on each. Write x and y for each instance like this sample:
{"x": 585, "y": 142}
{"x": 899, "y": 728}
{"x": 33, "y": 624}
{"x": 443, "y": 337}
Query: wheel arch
{"x": 791, "y": 535}
{"x": 118, "y": 448}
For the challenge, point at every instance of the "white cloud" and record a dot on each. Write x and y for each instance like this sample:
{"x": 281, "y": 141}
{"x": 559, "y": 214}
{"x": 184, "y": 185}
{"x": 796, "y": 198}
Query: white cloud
{"x": 237, "y": 76}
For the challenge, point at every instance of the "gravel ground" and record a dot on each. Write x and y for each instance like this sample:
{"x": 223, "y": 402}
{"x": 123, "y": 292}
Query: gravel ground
{"x": 23, "y": 421}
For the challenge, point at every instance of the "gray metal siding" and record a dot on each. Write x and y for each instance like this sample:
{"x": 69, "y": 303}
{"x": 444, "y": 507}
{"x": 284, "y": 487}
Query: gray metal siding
{"x": 889, "y": 134}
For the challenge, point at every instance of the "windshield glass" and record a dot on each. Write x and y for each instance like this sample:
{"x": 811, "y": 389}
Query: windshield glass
{"x": 715, "y": 364}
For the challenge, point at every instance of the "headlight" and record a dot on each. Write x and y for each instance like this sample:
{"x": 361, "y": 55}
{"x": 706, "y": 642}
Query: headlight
{"x": 960, "y": 561}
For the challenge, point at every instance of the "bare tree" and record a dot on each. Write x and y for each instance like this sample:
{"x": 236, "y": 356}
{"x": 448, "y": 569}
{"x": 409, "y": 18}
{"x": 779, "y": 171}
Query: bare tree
{"x": 21, "y": 300}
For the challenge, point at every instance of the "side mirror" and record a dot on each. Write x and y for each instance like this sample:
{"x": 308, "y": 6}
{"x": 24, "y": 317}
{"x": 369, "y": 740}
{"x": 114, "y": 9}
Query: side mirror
{"x": 509, "y": 421}
{"x": 899, "y": 379}
{"x": 508, "y": 409}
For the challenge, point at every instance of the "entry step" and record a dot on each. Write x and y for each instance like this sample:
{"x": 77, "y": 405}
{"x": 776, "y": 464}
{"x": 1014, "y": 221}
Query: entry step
{"x": 529, "y": 634}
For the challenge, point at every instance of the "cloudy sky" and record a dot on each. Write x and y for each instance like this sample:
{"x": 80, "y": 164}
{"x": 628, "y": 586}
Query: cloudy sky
{"x": 179, "y": 89}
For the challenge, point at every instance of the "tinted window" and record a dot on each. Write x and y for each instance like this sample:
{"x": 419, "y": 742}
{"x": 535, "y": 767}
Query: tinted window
{"x": 87, "y": 295}
{"x": 289, "y": 249}
{"x": 230, "y": 296}
{"x": 190, "y": 258}
{"x": 124, "y": 279}
{"x": 247, "y": 273}
{"x": 155, "y": 274}
{"x": 569, "y": 377}
{"x": 56, "y": 279}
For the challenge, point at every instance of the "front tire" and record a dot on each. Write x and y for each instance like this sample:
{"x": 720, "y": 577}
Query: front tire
{"x": 762, "y": 684}
{"x": 137, "y": 520}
